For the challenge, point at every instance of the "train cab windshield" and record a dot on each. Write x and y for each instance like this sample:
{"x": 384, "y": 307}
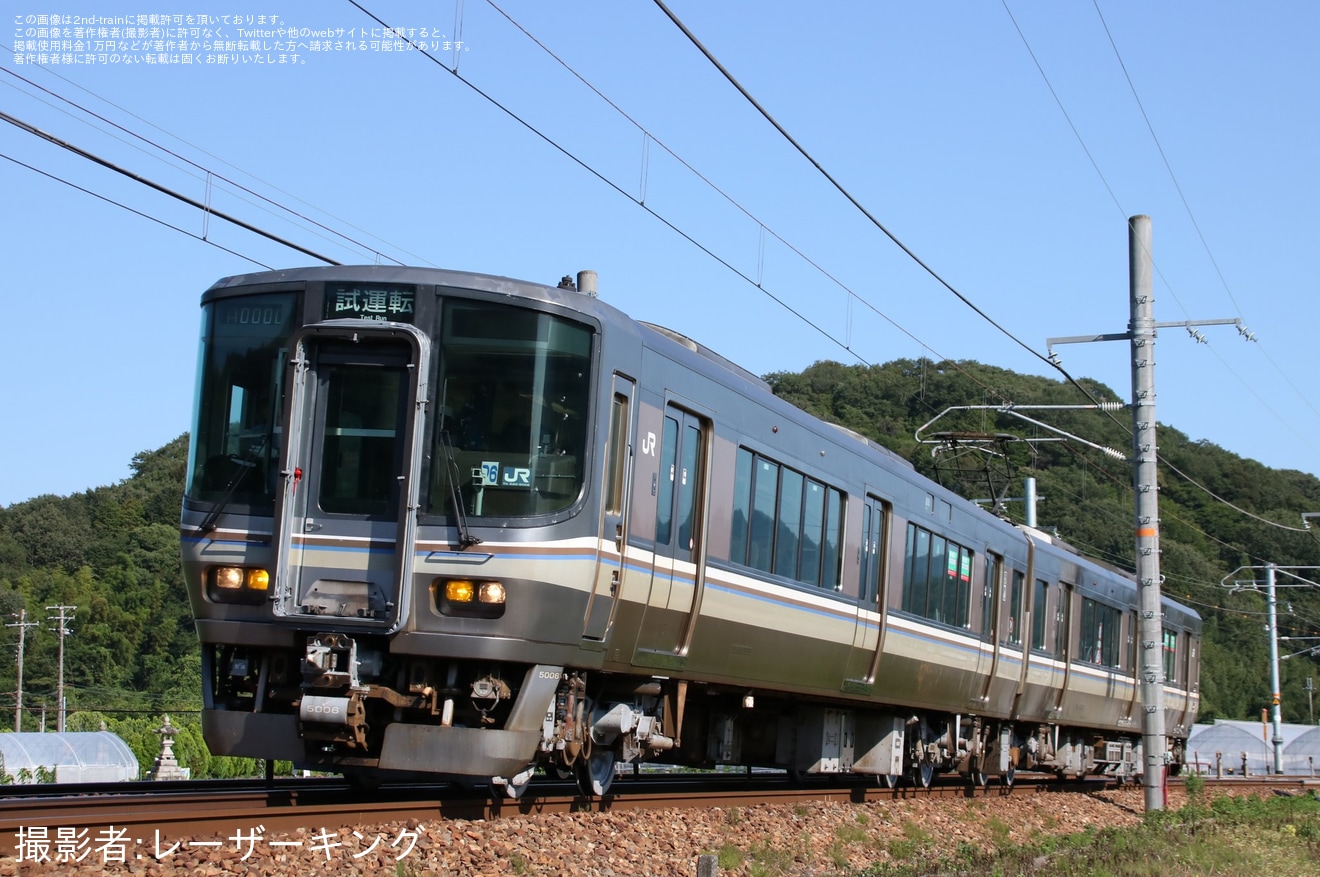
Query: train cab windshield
{"x": 236, "y": 437}
{"x": 509, "y": 396}
{"x": 513, "y": 394}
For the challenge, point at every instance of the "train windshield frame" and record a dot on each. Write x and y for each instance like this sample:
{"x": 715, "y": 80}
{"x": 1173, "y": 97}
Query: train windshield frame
{"x": 234, "y": 452}
{"x": 514, "y": 395}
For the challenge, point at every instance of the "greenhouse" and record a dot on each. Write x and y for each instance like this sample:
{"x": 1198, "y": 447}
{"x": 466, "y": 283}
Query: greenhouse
{"x": 81, "y": 757}
{"x": 1247, "y": 748}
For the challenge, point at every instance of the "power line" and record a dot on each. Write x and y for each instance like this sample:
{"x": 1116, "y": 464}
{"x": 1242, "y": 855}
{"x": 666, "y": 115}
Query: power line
{"x": 1199, "y": 233}
{"x": 1186, "y": 206}
{"x": 203, "y": 151}
{"x": 209, "y": 174}
{"x": 159, "y": 187}
{"x": 840, "y": 188}
{"x": 136, "y": 212}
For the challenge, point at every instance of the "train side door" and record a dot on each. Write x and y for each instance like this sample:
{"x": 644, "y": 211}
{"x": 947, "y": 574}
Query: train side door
{"x": 1191, "y": 668}
{"x": 678, "y": 577}
{"x": 1067, "y": 640}
{"x": 346, "y": 521}
{"x": 611, "y": 554}
{"x": 1133, "y": 662}
{"x": 872, "y": 597}
{"x": 1004, "y": 621}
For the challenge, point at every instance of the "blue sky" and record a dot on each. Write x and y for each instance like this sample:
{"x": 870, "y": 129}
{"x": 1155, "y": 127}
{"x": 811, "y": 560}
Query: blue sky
{"x": 1014, "y": 186}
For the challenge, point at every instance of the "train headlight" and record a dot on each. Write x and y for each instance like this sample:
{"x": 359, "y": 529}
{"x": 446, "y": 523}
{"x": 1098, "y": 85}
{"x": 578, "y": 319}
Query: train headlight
{"x": 237, "y": 584}
{"x": 459, "y": 591}
{"x": 469, "y": 599}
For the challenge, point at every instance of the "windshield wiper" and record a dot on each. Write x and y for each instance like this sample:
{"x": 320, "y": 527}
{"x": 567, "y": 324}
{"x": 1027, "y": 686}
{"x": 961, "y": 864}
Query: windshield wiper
{"x": 244, "y": 467}
{"x": 465, "y": 537}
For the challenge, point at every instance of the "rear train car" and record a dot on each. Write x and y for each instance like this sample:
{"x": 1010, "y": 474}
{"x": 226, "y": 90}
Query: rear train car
{"x": 468, "y": 527}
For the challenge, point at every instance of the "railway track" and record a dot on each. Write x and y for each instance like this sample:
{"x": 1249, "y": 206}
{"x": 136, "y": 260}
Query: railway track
{"x": 210, "y": 808}
{"x": 206, "y": 822}
{"x": 217, "y": 807}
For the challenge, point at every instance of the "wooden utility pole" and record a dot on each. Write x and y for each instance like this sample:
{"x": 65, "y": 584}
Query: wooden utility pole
{"x": 22, "y": 624}
{"x": 63, "y": 618}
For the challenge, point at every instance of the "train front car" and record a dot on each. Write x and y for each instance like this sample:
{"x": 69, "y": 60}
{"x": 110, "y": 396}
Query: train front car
{"x": 382, "y": 461}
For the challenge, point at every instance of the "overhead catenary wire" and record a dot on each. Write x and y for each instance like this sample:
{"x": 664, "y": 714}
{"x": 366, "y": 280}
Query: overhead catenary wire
{"x": 1081, "y": 141}
{"x": 795, "y": 312}
{"x": 165, "y": 190}
{"x": 278, "y": 205}
{"x": 134, "y": 211}
{"x": 905, "y": 249}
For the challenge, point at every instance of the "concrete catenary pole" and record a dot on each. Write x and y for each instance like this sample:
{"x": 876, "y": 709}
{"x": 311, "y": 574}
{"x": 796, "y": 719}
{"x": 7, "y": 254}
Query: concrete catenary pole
{"x": 1145, "y": 482}
{"x": 1275, "y": 713}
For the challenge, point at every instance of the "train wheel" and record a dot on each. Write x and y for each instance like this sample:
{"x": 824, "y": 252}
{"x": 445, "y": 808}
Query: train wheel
{"x": 1008, "y": 776}
{"x": 595, "y": 773}
{"x": 923, "y": 774}
{"x": 978, "y": 778}
{"x": 888, "y": 780}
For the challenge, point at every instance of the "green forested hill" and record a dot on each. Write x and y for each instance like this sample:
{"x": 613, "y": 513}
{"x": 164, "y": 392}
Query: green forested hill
{"x": 132, "y": 654}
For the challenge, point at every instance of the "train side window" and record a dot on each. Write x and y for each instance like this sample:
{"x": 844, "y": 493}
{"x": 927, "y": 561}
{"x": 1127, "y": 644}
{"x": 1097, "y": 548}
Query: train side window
{"x": 958, "y": 586}
{"x": 1062, "y": 607}
{"x": 1039, "y": 612}
{"x": 1171, "y": 656}
{"x": 813, "y": 528}
{"x": 831, "y": 556}
{"x": 874, "y": 555}
{"x": 618, "y": 455}
{"x": 936, "y": 565}
{"x": 764, "y": 493}
{"x": 1133, "y": 630}
{"x": 1013, "y": 625}
{"x": 664, "y": 513}
{"x": 937, "y": 580}
{"x": 785, "y": 523}
{"x": 689, "y": 477}
{"x": 1099, "y": 633}
{"x": 915, "y": 570}
{"x": 988, "y": 594}
{"x": 742, "y": 506}
{"x": 789, "y": 531}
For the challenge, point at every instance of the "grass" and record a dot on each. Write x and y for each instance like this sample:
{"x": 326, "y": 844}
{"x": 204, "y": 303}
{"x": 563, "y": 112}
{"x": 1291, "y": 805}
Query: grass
{"x": 1227, "y": 836}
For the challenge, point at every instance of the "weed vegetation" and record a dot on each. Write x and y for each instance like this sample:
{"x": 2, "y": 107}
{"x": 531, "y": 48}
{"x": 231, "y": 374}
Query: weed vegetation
{"x": 1230, "y": 836}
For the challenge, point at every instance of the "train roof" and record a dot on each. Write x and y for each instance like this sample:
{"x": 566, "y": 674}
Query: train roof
{"x": 490, "y": 283}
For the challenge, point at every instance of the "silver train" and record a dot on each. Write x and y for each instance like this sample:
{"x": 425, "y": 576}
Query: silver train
{"x": 469, "y": 527}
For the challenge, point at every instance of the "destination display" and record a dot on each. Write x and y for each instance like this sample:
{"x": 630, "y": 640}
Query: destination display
{"x": 370, "y": 301}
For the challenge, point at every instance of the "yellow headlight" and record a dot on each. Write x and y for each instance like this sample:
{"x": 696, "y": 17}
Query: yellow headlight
{"x": 459, "y": 591}
{"x": 258, "y": 580}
